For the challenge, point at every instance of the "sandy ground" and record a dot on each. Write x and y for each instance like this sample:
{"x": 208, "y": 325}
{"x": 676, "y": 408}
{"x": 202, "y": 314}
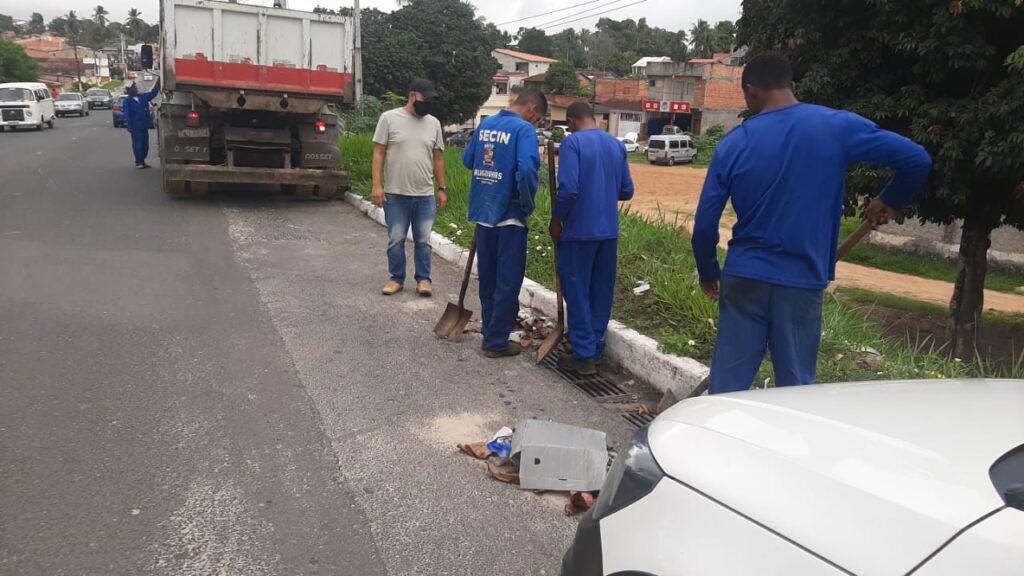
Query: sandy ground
{"x": 673, "y": 192}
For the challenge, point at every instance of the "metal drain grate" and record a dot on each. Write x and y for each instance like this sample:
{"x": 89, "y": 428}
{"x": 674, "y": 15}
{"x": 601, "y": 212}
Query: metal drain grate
{"x": 597, "y": 386}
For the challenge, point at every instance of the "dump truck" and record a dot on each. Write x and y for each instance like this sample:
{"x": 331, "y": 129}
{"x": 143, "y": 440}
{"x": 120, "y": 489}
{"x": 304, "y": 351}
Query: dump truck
{"x": 251, "y": 95}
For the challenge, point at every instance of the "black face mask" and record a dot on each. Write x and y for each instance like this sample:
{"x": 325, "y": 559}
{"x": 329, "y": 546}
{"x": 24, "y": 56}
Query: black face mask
{"x": 422, "y": 107}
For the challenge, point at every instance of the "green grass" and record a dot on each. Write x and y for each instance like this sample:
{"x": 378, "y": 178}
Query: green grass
{"x": 112, "y": 85}
{"x": 675, "y": 311}
{"x": 918, "y": 265}
{"x": 863, "y": 297}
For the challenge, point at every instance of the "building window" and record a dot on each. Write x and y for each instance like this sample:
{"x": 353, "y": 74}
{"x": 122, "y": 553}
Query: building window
{"x": 522, "y": 66}
{"x": 688, "y": 87}
{"x": 501, "y": 88}
{"x": 630, "y": 117}
{"x": 652, "y": 83}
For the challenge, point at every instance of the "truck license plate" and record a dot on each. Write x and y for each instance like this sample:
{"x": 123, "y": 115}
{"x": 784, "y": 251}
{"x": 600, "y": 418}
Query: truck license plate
{"x": 194, "y": 133}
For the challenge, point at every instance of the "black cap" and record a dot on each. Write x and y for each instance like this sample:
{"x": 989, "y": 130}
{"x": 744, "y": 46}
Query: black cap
{"x": 425, "y": 87}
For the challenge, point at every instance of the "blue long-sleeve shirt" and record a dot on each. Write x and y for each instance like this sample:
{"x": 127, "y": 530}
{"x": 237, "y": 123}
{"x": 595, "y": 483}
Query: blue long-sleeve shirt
{"x": 504, "y": 159}
{"x": 593, "y": 176}
{"x": 136, "y": 110}
{"x": 785, "y": 171}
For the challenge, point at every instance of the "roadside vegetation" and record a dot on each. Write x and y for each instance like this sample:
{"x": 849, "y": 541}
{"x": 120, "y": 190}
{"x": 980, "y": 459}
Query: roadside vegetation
{"x": 675, "y": 312}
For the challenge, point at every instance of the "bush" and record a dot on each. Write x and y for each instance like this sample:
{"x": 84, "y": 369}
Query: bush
{"x": 363, "y": 117}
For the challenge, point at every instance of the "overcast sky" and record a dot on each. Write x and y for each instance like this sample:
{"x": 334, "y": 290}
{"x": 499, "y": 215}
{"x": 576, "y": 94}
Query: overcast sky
{"x": 670, "y": 14}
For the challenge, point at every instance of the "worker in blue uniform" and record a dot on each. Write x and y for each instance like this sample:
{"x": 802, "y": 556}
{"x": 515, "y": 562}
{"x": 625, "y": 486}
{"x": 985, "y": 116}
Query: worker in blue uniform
{"x": 138, "y": 120}
{"x": 593, "y": 177}
{"x": 784, "y": 170}
{"x": 504, "y": 159}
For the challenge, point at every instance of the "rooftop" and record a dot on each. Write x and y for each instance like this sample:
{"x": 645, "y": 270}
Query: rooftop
{"x": 524, "y": 56}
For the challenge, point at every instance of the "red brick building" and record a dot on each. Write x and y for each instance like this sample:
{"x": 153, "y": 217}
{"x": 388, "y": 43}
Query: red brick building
{"x": 695, "y": 95}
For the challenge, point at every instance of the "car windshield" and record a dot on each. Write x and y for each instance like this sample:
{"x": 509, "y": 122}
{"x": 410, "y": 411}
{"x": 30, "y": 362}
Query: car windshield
{"x": 657, "y": 144}
{"x": 16, "y": 95}
{"x": 69, "y": 97}
{"x": 101, "y": 93}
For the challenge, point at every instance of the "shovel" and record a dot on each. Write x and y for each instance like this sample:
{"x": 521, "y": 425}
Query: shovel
{"x": 845, "y": 247}
{"x": 558, "y": 332}
{"x": 455, "y": 318}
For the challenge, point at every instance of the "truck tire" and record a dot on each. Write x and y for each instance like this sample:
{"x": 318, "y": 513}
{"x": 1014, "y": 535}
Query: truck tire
{"x": 175, "y": 188}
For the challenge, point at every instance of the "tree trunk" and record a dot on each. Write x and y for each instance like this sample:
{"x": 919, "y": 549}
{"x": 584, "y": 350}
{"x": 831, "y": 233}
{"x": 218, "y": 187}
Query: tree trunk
{"x": 969, "y": 291}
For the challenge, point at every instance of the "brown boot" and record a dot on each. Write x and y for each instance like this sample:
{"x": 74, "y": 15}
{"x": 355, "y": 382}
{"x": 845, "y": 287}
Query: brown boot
{"x": 391, "y": 288}
{"x": 424, "y": 289}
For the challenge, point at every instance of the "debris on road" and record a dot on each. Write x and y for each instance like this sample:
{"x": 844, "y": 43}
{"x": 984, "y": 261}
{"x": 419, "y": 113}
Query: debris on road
{"x": 501, "y": 443}
{"x": 642, "y": 287}
{"x": 554, "y": 456}
{"x": 579, "y": 502}
{"x": 507, "y": 474}
{"x": 477, "y": 450}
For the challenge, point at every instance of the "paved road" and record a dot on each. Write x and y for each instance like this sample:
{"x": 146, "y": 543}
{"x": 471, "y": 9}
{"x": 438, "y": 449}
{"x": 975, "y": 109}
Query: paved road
{"x": 200, "y": 387}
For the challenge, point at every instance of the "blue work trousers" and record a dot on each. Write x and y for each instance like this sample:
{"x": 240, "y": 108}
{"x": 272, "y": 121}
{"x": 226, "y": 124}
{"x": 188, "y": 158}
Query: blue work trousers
{"x": 586, "y": 269}
{"x": 400, "y": 214}
{"x": 755, "y": 315}
{"x": 140, "y": 144}
{"x": 500, "y": 265}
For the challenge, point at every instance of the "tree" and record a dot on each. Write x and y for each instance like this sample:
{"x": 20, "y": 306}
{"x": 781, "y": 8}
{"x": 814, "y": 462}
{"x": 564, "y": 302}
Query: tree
{"x": 950, "y": 76}
{"x": 74, "y": 30}
{"x": 534, "y": 41}
{"x": 6, "y": 22}
{"x": 99, "y": 15}
{"x": 135, "y": 24}
{"x": 703, "y": 39}
{"x": 36, "y": 24}
{"x": 562, "y": 78}
{"x": 621, "y": 63}
{"x": 437, "y": 39}
{"x": 725, "y": 36}
{"x": 496, "y": 37}
{"x": 15, "y": 65}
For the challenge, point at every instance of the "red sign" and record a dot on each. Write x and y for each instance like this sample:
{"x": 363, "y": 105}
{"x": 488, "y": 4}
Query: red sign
{"x": 666, "y": 106}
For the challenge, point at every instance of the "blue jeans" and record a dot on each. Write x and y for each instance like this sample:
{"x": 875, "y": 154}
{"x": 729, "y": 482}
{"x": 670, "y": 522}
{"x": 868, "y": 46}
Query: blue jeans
{"x": 500, "y": 265}
{"x": 755, "y": 315}
{"x": 401, "y": 212}
{"x": 140, "y": 145}
{"x": 586, "y": 270}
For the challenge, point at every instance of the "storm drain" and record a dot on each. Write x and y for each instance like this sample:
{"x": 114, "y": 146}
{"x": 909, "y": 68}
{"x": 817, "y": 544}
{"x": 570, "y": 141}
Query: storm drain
{"x": 598, "y": 387}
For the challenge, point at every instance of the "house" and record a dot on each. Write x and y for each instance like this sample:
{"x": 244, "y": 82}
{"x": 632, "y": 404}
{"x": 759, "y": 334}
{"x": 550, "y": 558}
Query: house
{"x": 640, "y": 66}
{"x": 694, "y": 95}
{"x": 515, "y": 68}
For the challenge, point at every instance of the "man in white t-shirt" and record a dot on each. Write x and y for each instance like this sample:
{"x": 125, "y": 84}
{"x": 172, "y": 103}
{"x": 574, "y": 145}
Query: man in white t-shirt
{"x": 408, "y": 157}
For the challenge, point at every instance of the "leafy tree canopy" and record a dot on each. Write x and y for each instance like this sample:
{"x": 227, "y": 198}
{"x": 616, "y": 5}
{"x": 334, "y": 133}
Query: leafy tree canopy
{"x": 15, "y": 65}
{"x": 562, "y": 78}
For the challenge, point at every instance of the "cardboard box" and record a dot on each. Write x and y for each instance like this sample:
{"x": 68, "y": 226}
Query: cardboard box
{"x": 555, "y": 456}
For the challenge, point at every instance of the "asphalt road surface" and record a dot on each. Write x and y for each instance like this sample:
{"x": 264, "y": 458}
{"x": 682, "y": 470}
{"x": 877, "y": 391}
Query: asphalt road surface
{"x": 217, "y": 387}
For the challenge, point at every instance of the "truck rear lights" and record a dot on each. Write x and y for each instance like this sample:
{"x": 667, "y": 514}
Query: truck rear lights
{"x": 192, "y": 119}
{"x": 320, "y": 127}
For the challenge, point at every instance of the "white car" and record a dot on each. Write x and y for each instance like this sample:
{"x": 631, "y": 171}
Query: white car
{"x": 70, "y": 103}
{"x": 883, "y": 478}
{"x": 630, "y": 142}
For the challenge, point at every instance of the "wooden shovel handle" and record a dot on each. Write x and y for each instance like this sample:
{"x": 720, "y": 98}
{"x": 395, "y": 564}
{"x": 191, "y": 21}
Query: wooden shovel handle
{"x": 553, "y": 191}
{"x": 861, "y": 232}
{"x": 469, "y": 270}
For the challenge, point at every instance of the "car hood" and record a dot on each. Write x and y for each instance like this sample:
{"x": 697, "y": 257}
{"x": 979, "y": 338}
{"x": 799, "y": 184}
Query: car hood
{"x": 873, "y": 476}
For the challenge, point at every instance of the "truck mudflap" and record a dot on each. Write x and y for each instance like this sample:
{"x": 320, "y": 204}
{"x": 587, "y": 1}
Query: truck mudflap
{"x": 299, "y": 181}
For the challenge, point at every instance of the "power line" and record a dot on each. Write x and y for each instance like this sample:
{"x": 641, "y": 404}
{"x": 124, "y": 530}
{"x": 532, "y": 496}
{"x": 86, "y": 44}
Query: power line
{"x": 593, "y": 15}
{"x": 556, "y": 21}
{"x": 546, "y": 13}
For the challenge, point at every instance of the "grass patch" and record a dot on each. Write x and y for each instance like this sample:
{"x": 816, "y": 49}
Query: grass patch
{"x": 674, "y": 311}
{"x": 861, "y": 297}
{"x": 112, "y": 85}
{"x": 918, "y": 265}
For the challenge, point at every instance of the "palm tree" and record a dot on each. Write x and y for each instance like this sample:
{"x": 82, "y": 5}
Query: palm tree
{"x": 703, "y": 39}
{"x": 135, "y": 23}
{"x": 73, "y": 29}
{"x": 100, "y": 14}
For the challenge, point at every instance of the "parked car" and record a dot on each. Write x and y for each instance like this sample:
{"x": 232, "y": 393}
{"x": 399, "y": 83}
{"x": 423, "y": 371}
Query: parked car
{"x": 922, "y": 477}
{"x": 672, "y": 130}
{"x": 671, "y": 149}
{"x": 117, "y": 112}
{"x": 99, "y": 98}
{"x": 460, "y": 139}
{"x": 147, "y": 77}
{"x": 629, "y": 141}
{"x": 25, "y": 104}
{"x": 70, "y": 103}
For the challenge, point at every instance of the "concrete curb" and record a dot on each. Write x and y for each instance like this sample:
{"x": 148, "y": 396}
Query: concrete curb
{"x": 949, "y": 252}
{"x": 633, "y": 351}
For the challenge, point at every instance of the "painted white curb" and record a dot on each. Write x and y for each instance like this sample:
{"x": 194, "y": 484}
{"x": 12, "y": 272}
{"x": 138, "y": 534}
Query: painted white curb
{"x": 633, "y": 351}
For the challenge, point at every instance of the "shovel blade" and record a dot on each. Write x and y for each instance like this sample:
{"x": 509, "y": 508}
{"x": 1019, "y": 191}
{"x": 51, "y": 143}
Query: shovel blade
{"x": 453, "y": 322}
{"x": 551, "y": 342}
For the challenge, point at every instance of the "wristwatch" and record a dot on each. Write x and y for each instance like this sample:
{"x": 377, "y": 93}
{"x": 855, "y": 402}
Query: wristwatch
{"x": 442, "y": 189}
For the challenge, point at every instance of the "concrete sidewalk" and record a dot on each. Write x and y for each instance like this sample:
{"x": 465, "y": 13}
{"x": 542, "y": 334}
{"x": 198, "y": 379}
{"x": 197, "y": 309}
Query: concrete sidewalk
{"x": 394, "y": 401}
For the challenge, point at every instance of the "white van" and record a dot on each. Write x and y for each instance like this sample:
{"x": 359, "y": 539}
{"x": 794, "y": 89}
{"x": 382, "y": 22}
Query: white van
{"x": 670, "y": 149}
{"x": 25, "y": 104}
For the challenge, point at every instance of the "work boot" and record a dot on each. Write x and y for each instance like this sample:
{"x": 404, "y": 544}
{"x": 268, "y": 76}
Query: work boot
{"x": 391, "y": 288}
{"x": 584, "y": 366}
{"x": 424, "y": 289}
{"x": 512, "y": 349}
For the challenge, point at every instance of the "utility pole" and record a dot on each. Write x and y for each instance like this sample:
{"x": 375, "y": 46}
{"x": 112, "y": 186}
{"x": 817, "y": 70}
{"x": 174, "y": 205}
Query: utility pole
{"x": 357, "y": 53}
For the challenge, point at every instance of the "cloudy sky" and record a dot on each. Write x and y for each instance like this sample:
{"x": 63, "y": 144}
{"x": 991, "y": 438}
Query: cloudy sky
{"x": 671, "y": 14}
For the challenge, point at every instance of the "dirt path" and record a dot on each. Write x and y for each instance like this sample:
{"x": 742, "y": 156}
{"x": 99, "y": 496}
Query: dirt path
{"x": 673, "y": 192}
